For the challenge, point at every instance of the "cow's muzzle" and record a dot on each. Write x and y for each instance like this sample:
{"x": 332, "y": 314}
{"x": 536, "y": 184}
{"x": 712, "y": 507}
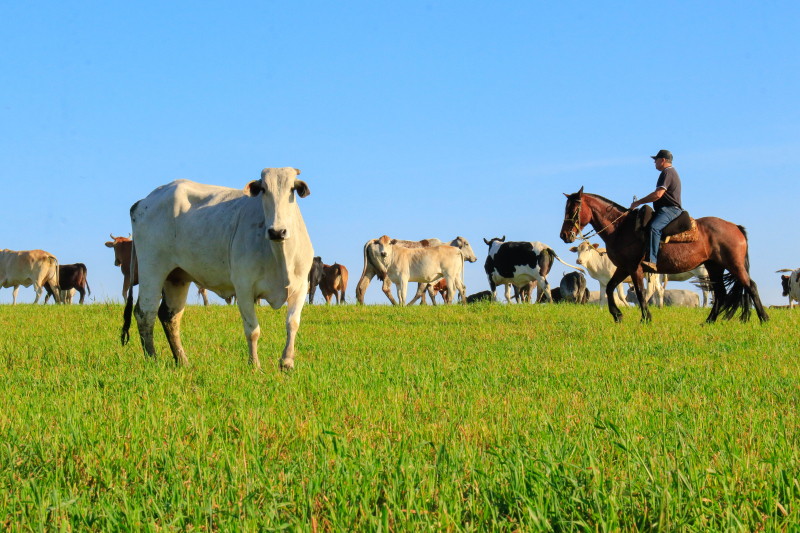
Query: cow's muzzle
{"x": 277, "y": 234}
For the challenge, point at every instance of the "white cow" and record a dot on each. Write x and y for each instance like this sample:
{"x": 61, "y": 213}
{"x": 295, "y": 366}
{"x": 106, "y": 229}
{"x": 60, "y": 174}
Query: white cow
{"x": 26, "y": 268}
{"x": 252, "y": 243}
{"x": 66, "y": 296}
{"x": 600, "y": 268}
{"x": 423, "y": 265}
{"x": 791, "y": 285}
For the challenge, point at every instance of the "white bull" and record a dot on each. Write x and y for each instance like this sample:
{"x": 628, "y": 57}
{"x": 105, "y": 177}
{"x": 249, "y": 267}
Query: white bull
{"x": 30, "y": 267}
{"x": 251, "y": 243}
{"x": 600, "y": 268}
{"x": 423, "y": 265}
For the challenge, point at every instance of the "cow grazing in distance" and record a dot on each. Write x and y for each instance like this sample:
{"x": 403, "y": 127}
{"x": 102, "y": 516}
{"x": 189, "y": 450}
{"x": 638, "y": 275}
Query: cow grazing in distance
{"x": 790, "y": 283}
{"x": 314, "y": 278}
{"x": 374, "y": 267}
{"x": 573, "y": 288}
{"x": 252, "y": 243}
{"x": 71, "y": 277}
{"x": 29, "y": 267}
{"x": 701, "y": 281}
{"x": 672, "y": 298}
{"x": 422, "y": 265}
{"x": 517, "y": 263}
{"x": 334, "y": 282}
{"x": 483, "y": 296}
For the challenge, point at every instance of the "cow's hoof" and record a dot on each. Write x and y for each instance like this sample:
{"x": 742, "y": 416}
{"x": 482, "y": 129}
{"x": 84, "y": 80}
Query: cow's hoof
{"x": 287, "y": 365}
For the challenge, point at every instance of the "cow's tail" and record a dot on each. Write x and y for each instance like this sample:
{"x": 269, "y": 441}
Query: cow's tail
{"x": 737, "y": 298}
{"x": 125, "y": 336}
{"x": 57, "y": 287}
{"x": 553, "y": 254}
{"x": 86, "y": 279}
{"x": 364, "y": 271}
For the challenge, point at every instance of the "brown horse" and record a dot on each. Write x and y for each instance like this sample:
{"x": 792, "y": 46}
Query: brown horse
{"x": 721, "y": 245}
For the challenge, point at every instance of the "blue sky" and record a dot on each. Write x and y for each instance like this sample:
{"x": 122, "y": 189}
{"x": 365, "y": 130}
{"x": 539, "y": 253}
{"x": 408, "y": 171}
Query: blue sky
{"x": 412, "y": 119}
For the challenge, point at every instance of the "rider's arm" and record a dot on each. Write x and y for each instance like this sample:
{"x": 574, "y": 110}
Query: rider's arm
{"x": 652, "y": 197}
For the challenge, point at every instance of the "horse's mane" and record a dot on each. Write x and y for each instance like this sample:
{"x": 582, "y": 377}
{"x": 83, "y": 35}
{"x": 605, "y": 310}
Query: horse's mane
{"x": 615, "y": 204}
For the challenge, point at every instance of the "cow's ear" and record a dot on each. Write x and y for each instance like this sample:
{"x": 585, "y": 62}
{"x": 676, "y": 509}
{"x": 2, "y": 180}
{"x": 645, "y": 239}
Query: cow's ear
{"x": 596, "y": 246}
{"x": 253, "y": 188}
{"x": 573, "y": 249}
{"x": 110, "y": 244}
{"x": 783, "y": 276}
{"x": 297, "y": 170}
{"x": 301, "y": 188}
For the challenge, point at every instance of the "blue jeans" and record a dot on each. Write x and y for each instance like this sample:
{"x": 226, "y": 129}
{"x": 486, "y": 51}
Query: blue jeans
{"x": 663, "y": 216}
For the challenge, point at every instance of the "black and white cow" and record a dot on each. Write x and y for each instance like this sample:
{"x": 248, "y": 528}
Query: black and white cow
{"x": 517, "y": 263}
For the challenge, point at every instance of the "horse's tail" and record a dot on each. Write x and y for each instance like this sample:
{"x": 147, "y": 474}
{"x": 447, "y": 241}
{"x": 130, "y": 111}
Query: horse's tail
{"x": 125, "y": 336}
{"x": 737, "y": 298}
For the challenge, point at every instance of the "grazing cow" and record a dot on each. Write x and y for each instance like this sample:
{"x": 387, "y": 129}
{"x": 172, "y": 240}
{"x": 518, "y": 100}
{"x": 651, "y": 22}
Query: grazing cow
{"x": 373, "y": 266}
{"x": 251, "y": 242}
{"x": 573, "y": 288}
{"x": 555, "y": 295}
{"x": 314, "y": 278}
{"x": 71, "y": 277}
{"x": 791, "y": 285}
{"x": 334, "y": 282}
{"x": 483, "y": 296}
{"x": 593, "y": 298}
{"x": 423, "y": 265}
{"x": 517, "y": 263}
{"x": 30, "y": 267}
{"x": 671, "y": 298}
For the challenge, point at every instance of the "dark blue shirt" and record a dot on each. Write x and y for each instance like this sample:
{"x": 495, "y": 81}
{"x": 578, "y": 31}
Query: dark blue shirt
{"x": 671, "y": 182}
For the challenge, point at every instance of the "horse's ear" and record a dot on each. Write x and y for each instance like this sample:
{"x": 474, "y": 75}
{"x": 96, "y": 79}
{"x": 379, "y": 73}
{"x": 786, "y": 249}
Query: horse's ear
{"x": 580, "y": 191}
{"x": 565, "y": 194}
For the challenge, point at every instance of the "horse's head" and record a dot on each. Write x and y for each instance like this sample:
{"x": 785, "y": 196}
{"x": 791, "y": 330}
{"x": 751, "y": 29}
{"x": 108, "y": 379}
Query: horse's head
{"x": 575, "y": 218}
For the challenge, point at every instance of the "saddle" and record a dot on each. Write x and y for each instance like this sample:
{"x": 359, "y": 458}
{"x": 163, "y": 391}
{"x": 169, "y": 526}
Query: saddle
{"x": 682, "y": 229}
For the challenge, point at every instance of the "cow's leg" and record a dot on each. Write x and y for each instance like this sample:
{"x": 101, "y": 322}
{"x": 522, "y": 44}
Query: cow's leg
{"x": 38, "y": 289}
{"x": 387, "y": 290}
{"x": 603, "y": 297}
{"x": 619, "y": 296}
{"x": 312, "y": 289}
{"x": 295, "y": 304}
{"x": 613, "y": 285}
{"x": 16, "y": 290}
{"x": 542, "y": 282}
{"x": 125, "y": 287}
{"x": 245, "y": 301}
{"x": 493, "y": 288}
{"x": 638, "y": 285}
{"x": 146, "y": 308}
{"x": 170, "y": 313}
{"x": 82, "y": 292}
{"x": 363, "y": 283}
{"x": 430, "y": 292}
{"x": 327, "y": 296}
{"x": 204, "y": 293}
{"x": 508, "y": 293}
{"x": 421, "y": 287}
{"x": 402, "y": 290}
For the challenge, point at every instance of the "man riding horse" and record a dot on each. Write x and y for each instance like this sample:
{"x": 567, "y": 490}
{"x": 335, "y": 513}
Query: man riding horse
{"x": 666, "y": 202}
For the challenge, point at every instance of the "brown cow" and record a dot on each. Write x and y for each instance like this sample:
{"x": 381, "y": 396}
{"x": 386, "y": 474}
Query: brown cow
{"x": 122, "y": 258}
{"x": 71, "y": 277}
{"x": 440, "y": 287}
{"x": 334, "y": 282}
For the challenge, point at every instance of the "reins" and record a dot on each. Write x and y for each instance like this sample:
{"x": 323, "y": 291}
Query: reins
{"x": 576, "y": 222}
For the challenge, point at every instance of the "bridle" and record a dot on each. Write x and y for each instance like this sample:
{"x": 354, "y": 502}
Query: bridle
{"x": 576, "y": 216}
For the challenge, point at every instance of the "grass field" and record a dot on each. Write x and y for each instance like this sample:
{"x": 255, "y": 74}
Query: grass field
{"x": 509, "y": 418}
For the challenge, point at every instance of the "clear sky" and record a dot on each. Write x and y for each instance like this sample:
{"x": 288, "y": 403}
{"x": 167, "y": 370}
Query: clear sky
{"x": 411, "y": 119}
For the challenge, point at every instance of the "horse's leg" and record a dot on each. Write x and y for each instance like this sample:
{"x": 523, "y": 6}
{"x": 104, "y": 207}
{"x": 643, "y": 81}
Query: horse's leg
{"x": 638, "y": 285}
{"x": 613, "y": 283}
{"x": 715, "y": 277}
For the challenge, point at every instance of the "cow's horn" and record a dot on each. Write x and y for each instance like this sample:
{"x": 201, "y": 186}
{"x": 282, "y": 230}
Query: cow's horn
{"x": 784, "y": 270}
{"x": 503, "y": 239}
{"x": 112, "y": 237}
{"x": 130, "y": 235}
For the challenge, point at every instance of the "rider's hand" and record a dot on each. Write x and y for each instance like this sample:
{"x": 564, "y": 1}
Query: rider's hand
{"x": 634, "y": 205}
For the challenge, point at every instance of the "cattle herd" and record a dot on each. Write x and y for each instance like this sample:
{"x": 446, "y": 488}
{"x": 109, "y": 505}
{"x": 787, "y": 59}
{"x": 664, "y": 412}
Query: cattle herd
{"x": 252, "y": 244}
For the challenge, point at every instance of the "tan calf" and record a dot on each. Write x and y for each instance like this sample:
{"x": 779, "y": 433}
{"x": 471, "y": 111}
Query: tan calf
{"x": 423, "y": 265}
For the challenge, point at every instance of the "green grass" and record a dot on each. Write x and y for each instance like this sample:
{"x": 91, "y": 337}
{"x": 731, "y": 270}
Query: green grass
{"x": 508, "y": 418}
